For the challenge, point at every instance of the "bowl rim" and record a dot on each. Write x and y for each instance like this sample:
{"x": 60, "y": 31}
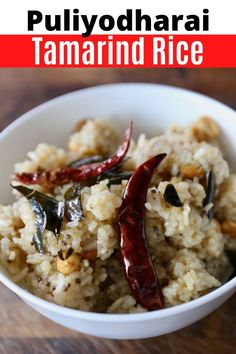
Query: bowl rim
{"x": 111, "y": 317}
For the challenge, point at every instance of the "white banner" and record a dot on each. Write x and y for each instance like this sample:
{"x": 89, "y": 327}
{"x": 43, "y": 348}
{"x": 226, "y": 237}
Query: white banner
{"x": 14, "y": 16}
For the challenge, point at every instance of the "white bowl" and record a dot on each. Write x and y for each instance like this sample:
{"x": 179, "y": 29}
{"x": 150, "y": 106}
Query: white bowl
{"x": 151, "y": 107}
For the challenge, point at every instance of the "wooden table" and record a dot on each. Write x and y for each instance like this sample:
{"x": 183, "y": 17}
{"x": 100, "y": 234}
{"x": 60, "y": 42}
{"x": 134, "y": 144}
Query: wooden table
{"x": 24, "y": 331}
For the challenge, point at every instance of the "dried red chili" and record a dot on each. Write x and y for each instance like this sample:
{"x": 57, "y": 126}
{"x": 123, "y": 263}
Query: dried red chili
{"x": 65, "y": 175}
{"x": 135, "y": 256}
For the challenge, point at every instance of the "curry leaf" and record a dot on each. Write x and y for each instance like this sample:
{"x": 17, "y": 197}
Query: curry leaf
{"x": 40, "y": 224}
{"x": 73, "y": 205}
{"x": 171, "y": 196}
{"x": 118, "y": 178}
{"x": 53, "y": 209}
{"x": 210, "y": 193}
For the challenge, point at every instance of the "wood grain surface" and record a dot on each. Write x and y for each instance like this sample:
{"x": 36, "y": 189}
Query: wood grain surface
{"x": 24, "y": 331}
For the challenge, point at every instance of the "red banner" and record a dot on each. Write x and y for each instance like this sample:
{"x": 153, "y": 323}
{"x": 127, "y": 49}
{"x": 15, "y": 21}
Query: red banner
{"x": 148, "y": 51}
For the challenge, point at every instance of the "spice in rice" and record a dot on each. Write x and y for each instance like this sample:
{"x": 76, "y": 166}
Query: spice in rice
{"x": 188, "y": 250}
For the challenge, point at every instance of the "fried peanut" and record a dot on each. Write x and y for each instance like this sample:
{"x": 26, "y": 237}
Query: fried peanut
{"x": 190, "y": 171}
{"x": 69, "y": 265}
{"x": 228, "y": 227}
{"x": 205, "y": 129}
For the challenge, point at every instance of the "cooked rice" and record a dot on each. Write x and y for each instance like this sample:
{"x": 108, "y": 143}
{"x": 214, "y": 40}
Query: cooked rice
{"x": 187, "y": 249}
